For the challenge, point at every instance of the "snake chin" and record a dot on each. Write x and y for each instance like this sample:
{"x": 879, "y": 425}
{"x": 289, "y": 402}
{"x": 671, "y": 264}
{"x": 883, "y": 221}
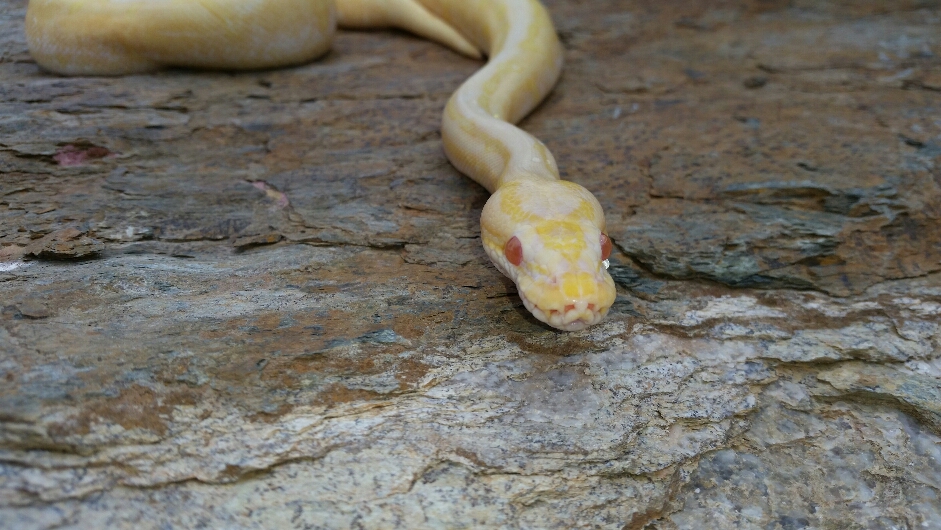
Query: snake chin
{"x": 576, "y": 317}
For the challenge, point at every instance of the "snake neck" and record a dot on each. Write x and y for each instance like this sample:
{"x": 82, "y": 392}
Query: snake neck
{"x": 525, "y": 62}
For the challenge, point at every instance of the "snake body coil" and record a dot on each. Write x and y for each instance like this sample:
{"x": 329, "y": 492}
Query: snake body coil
{"x": 544, "y": 233}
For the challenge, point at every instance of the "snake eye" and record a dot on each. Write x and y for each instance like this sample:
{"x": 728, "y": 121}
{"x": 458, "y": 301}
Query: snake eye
{"x": 605, "y": 247}
{"x": 513, "y": 250}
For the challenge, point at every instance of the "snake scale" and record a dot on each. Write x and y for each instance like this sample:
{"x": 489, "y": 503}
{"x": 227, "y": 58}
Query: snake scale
{"x": 544, "y": 233}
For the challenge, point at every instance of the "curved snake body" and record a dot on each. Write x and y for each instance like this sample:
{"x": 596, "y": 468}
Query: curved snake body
{"x": 544, "y": 233}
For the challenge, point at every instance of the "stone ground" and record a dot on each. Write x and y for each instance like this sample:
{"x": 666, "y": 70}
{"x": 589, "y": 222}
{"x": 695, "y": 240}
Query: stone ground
{"x": 258, "y": 300}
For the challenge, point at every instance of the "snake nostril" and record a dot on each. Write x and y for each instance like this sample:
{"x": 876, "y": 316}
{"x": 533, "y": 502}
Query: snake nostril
{"x": 591, "y": 307}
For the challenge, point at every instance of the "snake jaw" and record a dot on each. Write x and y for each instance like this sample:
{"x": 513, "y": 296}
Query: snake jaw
{"x": 569, "y": 301}
{"x": 572, "y": 317}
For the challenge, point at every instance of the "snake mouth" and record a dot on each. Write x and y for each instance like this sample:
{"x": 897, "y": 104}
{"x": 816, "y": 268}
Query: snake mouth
{"x": 573, "y": 317}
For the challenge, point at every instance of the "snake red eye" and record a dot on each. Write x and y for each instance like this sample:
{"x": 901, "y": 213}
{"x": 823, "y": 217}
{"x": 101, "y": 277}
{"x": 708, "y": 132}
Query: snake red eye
{"x": 605, "y": 247}
{"x": 513, "y": 250}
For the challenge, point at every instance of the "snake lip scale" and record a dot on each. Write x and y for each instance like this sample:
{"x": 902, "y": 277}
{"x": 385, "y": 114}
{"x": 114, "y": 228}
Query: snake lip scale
{"x": 566, "y": 321}
{"x": 544, "y": 233}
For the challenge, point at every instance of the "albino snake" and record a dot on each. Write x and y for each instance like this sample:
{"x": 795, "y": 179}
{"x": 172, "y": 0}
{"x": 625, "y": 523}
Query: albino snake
{"x": 544, "y": 233}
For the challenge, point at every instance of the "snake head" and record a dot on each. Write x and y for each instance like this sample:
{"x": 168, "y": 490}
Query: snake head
{"x": 548, "y": 237}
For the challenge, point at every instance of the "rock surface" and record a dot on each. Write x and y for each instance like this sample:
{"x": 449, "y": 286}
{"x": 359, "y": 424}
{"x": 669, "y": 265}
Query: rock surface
{"x": 258, "y": 300}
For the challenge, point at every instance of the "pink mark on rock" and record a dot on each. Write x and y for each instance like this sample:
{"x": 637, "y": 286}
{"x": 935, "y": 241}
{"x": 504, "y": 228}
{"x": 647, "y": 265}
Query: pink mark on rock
{"x": 281, "y": 199}
{"x": 76, "y": 155}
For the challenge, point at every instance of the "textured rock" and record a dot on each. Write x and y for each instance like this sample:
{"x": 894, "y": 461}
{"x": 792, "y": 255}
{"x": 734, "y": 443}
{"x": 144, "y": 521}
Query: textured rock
{"x": 259, "y": 299}
{"x": 67, "y": 243}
